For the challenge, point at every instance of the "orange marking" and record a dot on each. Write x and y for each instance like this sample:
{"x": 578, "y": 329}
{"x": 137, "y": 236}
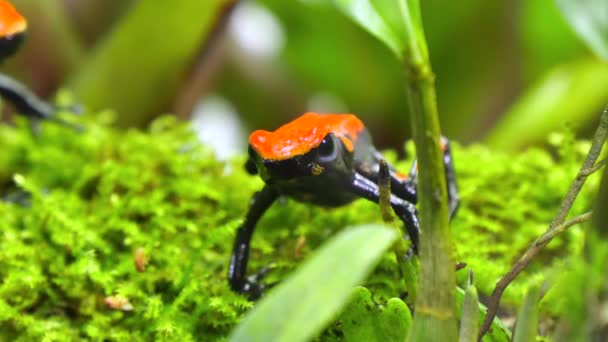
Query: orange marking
{"x": 401, "y": 176}
{"x": 11, "y": 22}
{"x": 305, "y": 133}
{"x": 444, "y": 144}
{"x": 348, "y": 143}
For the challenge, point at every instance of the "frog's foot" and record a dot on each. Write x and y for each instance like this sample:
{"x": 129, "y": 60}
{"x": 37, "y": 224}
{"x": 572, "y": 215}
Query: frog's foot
{"x": 253, "y": 286}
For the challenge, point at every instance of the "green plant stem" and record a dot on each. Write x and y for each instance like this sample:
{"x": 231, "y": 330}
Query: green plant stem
{"x": 556, "y": 226}
{"x": 596, "y": 251}
{"x": 601, "y": 205}
{"x": 384, "y": 186}
{"x": 435, "y": 318}
{"x": 407, "y": 266}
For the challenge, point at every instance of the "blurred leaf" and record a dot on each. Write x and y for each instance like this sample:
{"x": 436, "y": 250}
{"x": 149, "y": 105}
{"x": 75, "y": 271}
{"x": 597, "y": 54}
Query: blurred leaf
{"x": 527, "y": 318}
{"x": 589, "y": 18}
{"x": 303, "y": 304}
{"x": 546, "y": 39}
{"x": 364, "y": 320}
{"x": 469, "y": 322}
{"x": 392, "y": 15}
{"x": 379, "y": 18}
{"x": 497, "y": 333}
{"x": 328, "y": 53}
{"x": 600, "y": 211}
{"x": 137, "y": 68}
{"x": 52, "y": 48}
{"x": 569, "y": 94}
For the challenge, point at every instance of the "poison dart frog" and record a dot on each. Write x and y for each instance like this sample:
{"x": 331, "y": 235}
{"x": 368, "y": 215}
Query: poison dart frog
{"x": 12, "y": 33}
{"x": 328, "y": 160}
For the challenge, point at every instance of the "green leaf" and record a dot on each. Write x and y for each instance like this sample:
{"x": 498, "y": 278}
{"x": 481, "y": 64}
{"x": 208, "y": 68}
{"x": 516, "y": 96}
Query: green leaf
{"x": 363, "y": 320}
{"x": 589, "y": 19}
{"x": 381, "y": 18}
{"x": 600, "y": 210}
{"x": 138, "y": 67}
{"x": 391, "y": 13}
{"x": 302, "y": 305}
{"x": 497, "y": 333}
{"x": 568, "y": 94}
{"x": 469, "y": 325}
{"x": 527, "y": 318}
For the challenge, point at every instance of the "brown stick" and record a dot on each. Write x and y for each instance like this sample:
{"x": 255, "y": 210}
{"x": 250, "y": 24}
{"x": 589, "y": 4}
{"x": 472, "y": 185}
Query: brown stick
{"x": 597, "y": 166}
{"x": 544, "y": 239}
{"x": 556, "y": 226}
{"x": 200, "y": 74}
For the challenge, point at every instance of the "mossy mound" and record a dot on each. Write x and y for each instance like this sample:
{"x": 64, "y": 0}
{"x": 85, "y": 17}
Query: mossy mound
{"x": 81, "y": 212}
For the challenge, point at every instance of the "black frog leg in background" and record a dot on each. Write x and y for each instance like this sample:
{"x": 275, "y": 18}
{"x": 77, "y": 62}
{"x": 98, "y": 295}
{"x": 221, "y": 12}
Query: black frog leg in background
{"x": 406, "y": 211}
{"x": 237, "y": 271}
{"x": 24, "y": 101}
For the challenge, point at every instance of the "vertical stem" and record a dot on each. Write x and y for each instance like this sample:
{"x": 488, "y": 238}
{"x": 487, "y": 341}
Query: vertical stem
{"x": 600, "y": 212}
{"x": 435, "y": 318}
{"x": 407, "y": 265}
{"x": 596, "y": 262}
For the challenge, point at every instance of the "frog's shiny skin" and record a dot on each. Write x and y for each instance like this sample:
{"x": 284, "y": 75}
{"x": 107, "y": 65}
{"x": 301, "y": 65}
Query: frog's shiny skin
{"x": 327, "y": 160}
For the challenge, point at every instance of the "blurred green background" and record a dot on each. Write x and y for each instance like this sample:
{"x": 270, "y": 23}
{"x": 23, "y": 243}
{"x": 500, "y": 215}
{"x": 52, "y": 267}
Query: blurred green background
{"x": 508, "y": 72}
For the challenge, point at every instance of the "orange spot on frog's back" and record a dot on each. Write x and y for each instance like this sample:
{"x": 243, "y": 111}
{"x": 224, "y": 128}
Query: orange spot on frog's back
{"x": 305, "y": 133}
{"x": 11, "y": 22}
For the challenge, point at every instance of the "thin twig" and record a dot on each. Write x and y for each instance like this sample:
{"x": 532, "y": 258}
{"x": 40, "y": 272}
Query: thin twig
{"x": 597, "y": 166}
{"x": 594, "y": 151}
{"x": 544, "y": 239}
{"x": 589, "y": 164}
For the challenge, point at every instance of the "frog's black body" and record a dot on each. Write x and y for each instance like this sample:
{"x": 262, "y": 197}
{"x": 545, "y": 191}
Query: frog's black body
{"x": 328, "y": 175}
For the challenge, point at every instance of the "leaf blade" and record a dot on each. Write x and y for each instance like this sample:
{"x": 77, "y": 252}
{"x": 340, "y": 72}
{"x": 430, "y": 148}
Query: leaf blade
{"x": 589, "y": 19}
{"x": 365, "y": 13}
{"x": 138, "y": 67}
{"x": 279, "y": 316}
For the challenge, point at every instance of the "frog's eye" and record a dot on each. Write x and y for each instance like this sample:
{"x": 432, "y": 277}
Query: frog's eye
{"x": 327, "y": 149}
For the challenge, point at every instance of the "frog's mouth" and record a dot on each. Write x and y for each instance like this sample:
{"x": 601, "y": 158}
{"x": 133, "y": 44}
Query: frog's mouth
{"x": 280, "y": 170}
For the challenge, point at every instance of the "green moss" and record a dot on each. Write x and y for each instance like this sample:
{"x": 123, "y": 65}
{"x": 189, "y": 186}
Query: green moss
{"x": 77, "y": 206}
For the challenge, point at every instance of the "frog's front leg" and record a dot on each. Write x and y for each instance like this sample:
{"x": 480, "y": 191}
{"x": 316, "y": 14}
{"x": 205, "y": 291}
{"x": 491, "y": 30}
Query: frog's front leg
{"x": 406, "y": 211}
{"x": 24, "y": 101}
{"x": 28, "y": 104}
{"x": 237, "y": 271}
